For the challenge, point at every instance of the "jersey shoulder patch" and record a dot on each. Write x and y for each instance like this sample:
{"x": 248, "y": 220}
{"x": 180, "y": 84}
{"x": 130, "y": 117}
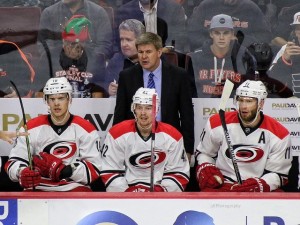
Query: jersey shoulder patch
{"x": 121, "y": 128}
{"x": 38, "y": 121}
{"x": 85, "y": 124}
{"x": 274, "y": 127}
{"x": 168, "y": 129}
{"x": 230, "y": 117}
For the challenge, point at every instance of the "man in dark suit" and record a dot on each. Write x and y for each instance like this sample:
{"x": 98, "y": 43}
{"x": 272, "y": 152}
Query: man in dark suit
{"x": 168, "y": 10}
{"x": 171, "y": 84}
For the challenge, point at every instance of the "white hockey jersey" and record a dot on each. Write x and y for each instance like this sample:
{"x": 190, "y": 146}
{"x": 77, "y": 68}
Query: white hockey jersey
{"x": 76, "y": 142}
{"x": 262, "y": 152}
{"x": 126, "y": 158}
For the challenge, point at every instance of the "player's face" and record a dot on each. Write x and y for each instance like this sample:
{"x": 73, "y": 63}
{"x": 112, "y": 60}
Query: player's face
{"x": 221, "y": 37}
{"x": 127, "y": 39}
{"x": 59, "y": 105}
{"x": 149, "y": 56}
{"x": 143, "y": 115}
{"x": 247, "y": 108}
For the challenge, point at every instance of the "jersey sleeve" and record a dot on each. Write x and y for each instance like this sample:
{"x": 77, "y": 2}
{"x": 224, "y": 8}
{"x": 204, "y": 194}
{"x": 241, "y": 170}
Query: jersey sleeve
{"x": 113, "y": 165}
{"x": 176, "y": 173}
{"x": 209, "y": 145}
{"x": 278, "y": 163}
{"x": 88, "y": 164}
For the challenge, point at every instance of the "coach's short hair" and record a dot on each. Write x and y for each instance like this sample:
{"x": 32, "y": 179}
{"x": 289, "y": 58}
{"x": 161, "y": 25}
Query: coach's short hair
{"x": 149, "y": 38}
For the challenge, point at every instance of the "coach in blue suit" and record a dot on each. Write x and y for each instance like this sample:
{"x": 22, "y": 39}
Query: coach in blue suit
{"x": 171, "y": 83}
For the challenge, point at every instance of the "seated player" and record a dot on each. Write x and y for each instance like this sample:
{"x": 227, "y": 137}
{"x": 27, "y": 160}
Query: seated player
{"x": 261, "y": 147}
{"x": 126, "y": 153}
{"x": 62, "y": 150}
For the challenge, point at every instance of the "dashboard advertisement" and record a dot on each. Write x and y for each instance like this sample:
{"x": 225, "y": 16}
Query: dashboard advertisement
{"x": 114, "y": 211}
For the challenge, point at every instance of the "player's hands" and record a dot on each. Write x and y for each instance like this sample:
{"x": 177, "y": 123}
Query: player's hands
{"x": 251, "y": 185}
{"x": 209, "y": 176}
{"x": 29, "y": 178}
{"x": 49, "y": 165}
{"x": 141, "y": 188}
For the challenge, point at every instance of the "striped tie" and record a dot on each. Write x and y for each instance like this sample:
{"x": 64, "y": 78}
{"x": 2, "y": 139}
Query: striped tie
{"x": 151, "y": 83}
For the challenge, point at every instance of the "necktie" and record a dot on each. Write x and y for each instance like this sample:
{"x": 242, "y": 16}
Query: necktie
{"x": 151, "y": 83}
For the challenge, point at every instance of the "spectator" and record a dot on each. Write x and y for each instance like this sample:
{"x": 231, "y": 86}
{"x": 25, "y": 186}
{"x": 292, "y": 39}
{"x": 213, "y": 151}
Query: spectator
{"x": 64, "y": 147}
{"x": 14, "y": 67}
{"x": 148, "y": 11}
{"x": 171, "y": 84}
{"x": 83, "y": 69}
{"x": 247, "y": 17}
{"x": 217, "y": 60}
{"x": 286, "y": 65}
{"x": 129, "y": 30}
{"x": 263, "y": 55}
{"x": 127, "y": 163}
{"x": 283, "y": 32}
{"x": 261, "y": 147}
{"x": 54, "y": 17}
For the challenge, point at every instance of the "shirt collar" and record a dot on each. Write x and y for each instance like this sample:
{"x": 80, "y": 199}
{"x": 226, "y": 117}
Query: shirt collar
{"x": 156, "y": 72}
{"x": 148, "y": 11}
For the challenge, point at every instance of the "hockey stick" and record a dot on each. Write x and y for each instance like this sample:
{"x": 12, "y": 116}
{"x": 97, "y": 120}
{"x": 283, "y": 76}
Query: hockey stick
{"x": 153, "y": 115}
{"x": 25, "y": 125}
{"x": 225, "y": 96}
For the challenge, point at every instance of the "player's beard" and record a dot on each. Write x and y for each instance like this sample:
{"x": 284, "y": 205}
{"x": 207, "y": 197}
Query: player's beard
{"x": 250, "y": 117}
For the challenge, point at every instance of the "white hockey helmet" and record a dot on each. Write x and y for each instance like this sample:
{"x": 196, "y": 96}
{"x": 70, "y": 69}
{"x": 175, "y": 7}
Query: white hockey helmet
{"x": 57, "y": 85}
{"x": 144, "y": 96}
{"x": 252, "y": 89}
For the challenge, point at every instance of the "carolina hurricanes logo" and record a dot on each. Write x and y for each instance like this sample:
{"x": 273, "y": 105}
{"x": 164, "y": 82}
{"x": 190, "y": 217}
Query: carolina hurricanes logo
{"x": 143, "y": 159}
{"x": 62, "y": 149}
{"x": 246, "y": 153}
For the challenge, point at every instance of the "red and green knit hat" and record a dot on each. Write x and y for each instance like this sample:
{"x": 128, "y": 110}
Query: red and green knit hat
{"x": 77, "y": 29}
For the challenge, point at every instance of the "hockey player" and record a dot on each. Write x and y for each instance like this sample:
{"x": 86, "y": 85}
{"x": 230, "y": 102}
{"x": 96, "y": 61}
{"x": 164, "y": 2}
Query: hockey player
{"x": 126, "y": 153}
{"x": 64, "y": 147}
{"x": 261, "y": 147}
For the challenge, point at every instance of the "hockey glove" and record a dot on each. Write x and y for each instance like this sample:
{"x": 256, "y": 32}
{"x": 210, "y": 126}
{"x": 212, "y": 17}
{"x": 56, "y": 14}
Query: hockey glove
{"x": 251, "y": 185}
{"x": 49, "y": 165}
{"x": 141, "y": 188}
{"x": 29, "y": 178}
{"x": 209, "y": 176}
